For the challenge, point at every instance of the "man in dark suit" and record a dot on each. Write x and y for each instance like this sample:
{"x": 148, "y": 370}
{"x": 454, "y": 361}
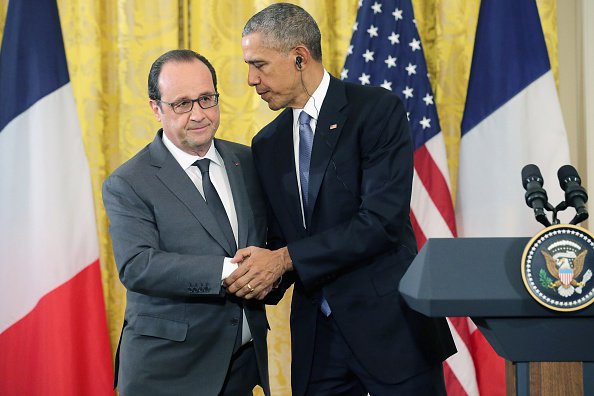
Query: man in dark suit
{"x": 178, "y": 210}
{"x": 336, "y": 169}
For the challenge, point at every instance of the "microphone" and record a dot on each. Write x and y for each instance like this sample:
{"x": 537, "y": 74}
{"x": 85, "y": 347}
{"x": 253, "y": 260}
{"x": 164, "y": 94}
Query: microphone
{"x": 575, "y": 194}
{"x": 536, "y": 196}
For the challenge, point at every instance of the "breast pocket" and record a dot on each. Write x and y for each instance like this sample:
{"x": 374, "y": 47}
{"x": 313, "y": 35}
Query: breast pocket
{"x": 346, "y": 173}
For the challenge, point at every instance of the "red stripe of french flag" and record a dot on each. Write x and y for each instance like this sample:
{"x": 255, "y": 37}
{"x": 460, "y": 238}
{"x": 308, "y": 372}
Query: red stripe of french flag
{"x": 59, "y": 348}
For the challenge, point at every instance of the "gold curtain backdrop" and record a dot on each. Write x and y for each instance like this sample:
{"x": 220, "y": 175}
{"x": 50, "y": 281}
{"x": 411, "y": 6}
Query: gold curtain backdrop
{"x": 110, "y": 45}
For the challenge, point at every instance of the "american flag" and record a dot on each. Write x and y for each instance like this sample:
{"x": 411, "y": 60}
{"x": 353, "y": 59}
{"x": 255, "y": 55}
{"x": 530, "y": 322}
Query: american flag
{"x": 386, "y": 51}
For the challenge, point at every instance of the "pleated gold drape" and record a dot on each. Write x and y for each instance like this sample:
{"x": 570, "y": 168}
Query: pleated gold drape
{"x": 110, "y": 45}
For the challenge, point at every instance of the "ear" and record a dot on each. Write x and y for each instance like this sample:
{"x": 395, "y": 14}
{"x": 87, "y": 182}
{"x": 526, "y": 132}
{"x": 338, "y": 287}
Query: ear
{"x": 156, "y": 109}
{"x": 301, "y": 55}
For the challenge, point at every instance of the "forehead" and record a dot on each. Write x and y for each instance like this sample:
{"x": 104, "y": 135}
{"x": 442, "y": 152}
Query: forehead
{"x": 255, "y": 48}
{"x": 185, "y": 78}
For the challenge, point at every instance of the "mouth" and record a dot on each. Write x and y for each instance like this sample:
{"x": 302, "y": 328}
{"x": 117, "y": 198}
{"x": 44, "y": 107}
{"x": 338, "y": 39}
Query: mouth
{"x": 198, "y": 128}
{"x": 263, "y": 94}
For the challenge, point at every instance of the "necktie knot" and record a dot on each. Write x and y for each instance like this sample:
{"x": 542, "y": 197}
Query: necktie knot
{"x": 304, "y": 118}
{"x": 202, "y": 164}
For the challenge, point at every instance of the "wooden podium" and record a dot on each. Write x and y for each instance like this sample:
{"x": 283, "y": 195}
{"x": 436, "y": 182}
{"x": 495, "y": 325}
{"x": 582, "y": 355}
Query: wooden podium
{"x": 481, "y": 278}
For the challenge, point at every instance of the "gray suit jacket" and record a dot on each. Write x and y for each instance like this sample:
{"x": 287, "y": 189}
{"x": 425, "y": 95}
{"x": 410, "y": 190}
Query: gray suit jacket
{"x": 179, "y": 326}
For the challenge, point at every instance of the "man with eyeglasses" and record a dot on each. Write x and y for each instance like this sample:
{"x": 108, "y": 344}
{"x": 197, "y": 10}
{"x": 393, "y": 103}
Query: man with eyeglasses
{"x": 178, "y": 211}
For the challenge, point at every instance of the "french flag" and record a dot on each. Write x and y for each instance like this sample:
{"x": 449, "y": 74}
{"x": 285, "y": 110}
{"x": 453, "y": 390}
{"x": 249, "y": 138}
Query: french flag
{"x": 53, "y": 332}
{"x": 512, "y": 118}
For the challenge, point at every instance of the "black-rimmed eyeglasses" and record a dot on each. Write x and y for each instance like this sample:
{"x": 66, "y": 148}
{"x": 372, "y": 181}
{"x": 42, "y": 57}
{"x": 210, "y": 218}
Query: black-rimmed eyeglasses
{"x": 185, "y": 106}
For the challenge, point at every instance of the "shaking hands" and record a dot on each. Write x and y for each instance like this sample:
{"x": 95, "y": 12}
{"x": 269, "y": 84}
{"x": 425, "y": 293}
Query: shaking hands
{"x": 259, "y": 269}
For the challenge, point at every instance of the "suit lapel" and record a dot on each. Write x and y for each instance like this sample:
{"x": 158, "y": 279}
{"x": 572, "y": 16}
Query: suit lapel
{"x": 177, "y": 181}
{"x": 328, "y": 129}
{"x": 240, "y": 199}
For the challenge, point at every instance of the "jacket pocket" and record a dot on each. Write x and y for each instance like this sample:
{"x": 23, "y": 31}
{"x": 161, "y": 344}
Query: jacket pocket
{"x": 162, "y": 328}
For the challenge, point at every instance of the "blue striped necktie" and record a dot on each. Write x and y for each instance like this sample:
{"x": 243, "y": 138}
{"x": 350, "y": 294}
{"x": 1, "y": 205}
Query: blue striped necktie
{"x": 305, "y": 145}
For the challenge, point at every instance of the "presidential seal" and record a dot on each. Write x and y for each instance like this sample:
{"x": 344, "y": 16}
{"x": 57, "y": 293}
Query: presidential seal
{"x": 557, "y": 267}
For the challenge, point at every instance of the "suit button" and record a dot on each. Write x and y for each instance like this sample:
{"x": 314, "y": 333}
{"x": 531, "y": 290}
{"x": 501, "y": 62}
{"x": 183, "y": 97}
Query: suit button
{"x": 234, "y": 321}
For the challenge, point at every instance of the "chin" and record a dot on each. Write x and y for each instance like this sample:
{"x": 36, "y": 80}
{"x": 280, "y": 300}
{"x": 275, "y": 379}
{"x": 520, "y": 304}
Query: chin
{"x": 198, "y": 147}
{"x": 276, "y": 106}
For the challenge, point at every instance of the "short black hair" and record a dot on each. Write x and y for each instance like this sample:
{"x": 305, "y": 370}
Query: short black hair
{"x": 177, "y": 55}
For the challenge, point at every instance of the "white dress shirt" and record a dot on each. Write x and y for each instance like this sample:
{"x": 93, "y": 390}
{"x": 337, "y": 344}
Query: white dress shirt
{"x": 312, "y": 107}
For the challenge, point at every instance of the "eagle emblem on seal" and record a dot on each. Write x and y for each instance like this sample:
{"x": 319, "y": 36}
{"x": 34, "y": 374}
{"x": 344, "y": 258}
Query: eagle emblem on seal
{"x": 565, "y": 262}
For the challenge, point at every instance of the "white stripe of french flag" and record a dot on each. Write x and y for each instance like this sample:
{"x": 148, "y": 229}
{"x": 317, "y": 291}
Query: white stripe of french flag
{"x": 53, "y": 333}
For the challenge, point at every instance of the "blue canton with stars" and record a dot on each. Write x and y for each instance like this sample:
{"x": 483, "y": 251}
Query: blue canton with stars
{"x": 386, "y": 51}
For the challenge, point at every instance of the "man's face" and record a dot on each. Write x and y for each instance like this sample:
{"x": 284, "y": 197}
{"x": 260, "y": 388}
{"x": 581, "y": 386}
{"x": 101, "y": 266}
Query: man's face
{"x": 273, "y": 74}
{"x": 191, "y": 132}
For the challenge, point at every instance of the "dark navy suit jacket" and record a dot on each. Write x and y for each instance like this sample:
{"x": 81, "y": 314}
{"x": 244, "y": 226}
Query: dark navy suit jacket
{"x": 359, "y": 241}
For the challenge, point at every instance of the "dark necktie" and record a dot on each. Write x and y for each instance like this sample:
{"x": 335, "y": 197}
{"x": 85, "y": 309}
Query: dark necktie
{"x": 214, "y": 203}
{"x": 213, "y": 200}
{"x": 305, "y": 145}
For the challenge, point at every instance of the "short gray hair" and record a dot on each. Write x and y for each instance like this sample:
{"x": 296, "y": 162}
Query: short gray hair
{"x": 285, "y": 26}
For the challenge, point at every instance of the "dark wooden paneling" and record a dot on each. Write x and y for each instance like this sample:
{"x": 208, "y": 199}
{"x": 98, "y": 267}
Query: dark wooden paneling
{"x": 548, "y": 379}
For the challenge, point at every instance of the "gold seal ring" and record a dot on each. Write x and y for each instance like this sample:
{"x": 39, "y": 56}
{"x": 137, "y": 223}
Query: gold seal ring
{"x": 249, "y": 287}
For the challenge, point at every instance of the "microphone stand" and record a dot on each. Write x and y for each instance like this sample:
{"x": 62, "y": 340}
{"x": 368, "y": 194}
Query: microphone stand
{"x": 578, "y": 218}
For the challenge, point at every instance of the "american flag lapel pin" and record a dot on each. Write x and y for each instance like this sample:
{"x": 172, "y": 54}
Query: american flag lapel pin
{"x": 333, "y": 126}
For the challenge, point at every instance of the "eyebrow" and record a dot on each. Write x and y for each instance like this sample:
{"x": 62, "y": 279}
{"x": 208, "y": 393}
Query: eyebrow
{"x": 254, "y": 61}
{"x": 186, "y": 97}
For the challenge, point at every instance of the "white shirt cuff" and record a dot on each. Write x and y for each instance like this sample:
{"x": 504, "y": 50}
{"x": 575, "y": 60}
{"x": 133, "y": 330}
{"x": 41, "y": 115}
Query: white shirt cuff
{"x": 228, "y": 267}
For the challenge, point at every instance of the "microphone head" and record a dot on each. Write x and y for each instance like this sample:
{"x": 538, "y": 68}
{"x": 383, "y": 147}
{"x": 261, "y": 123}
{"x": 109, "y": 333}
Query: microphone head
{"x": 531, "y": 173}
{"x": 568, "y": 173}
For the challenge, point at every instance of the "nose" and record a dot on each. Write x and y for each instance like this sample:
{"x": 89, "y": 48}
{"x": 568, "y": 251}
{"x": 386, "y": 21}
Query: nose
{"x": 253, "y": 76}
{"x": 197, "y": 112}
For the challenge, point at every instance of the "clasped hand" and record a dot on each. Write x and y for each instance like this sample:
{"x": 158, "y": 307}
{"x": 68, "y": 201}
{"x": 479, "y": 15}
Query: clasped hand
{"x": 258, "y": 270}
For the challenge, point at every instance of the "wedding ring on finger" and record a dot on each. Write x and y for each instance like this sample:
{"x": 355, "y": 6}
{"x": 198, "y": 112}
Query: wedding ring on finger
{"x": 250, "y": 288}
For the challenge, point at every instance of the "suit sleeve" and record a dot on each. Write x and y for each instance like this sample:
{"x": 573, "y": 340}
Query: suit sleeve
{"x": 143, "y": 265}
{"x": 380, "y": 224}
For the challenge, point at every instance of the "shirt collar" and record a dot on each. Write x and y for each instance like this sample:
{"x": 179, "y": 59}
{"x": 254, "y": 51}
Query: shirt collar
{"x": 186, "y": 160}
{"x": 314, "y": 104}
